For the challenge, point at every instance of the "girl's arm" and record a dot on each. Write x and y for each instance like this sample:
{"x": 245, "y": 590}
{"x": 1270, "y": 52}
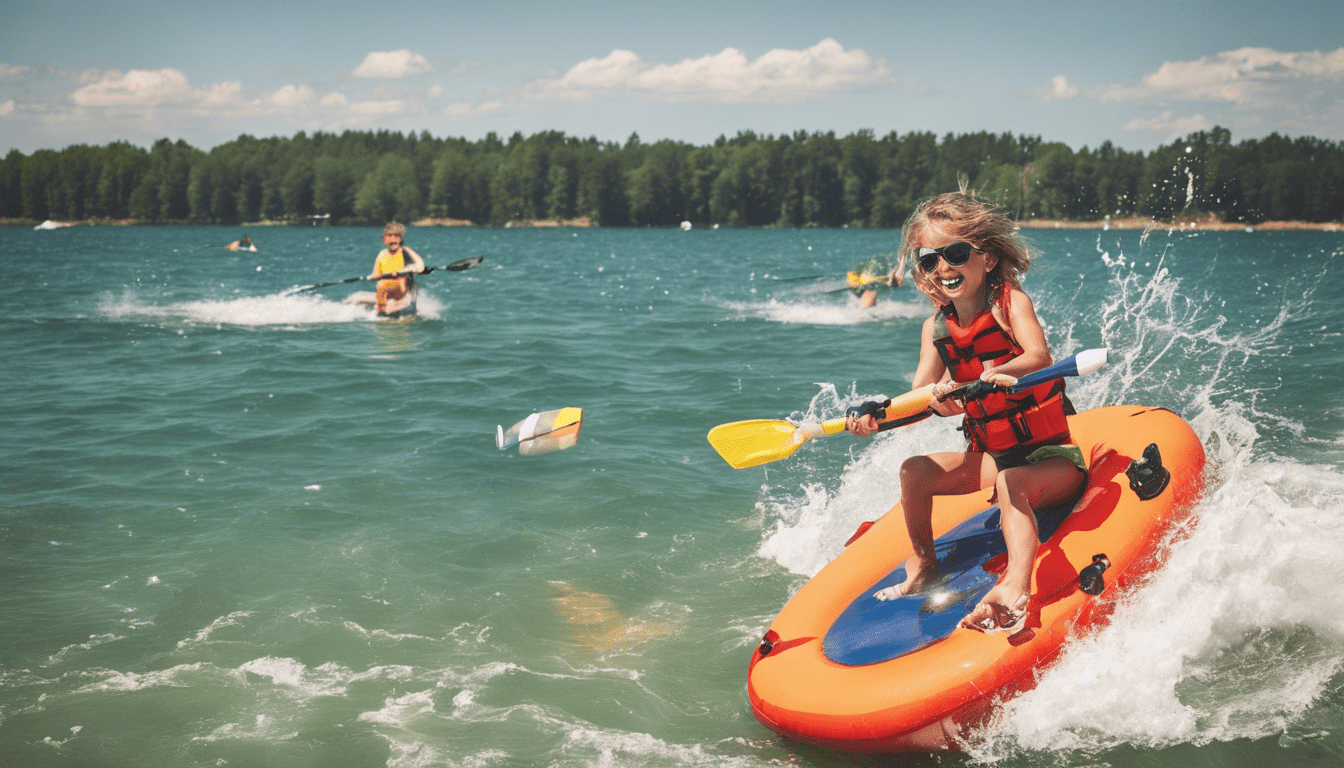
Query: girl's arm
{"x": 1026, "y": 328}
{"x": 932, "y": 370}
{"x": 417, "y": 262}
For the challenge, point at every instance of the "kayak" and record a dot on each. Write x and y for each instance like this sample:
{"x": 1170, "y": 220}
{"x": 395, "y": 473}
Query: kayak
{"x": 841, "y": 669}
{"x": 396, "y": 309}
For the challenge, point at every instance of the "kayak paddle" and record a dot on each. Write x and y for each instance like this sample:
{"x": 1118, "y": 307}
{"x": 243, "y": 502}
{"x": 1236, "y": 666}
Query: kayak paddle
{"x": 804, "y": 277}
{"x": 456, "y": 266}
{"x": 759, "y": 441}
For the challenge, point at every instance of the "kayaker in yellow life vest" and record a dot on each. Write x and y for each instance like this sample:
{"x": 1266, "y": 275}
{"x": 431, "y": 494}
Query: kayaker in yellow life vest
{"x": 873, "y": 274}
{"x": 394, "y": 258}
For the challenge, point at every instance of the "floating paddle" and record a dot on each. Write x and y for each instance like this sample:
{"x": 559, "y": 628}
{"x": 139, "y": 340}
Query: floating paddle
{"x": 759, "y": 441}
{"x": 543, "y": 432}
{"x": 456, "y": 266}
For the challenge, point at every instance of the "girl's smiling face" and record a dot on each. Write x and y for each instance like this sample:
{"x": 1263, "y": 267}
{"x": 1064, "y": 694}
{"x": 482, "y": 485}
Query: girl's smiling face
{"x": 965, "y": 283}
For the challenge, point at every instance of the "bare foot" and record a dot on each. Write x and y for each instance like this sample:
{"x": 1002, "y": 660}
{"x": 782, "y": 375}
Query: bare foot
{"x": 917, "y": 575}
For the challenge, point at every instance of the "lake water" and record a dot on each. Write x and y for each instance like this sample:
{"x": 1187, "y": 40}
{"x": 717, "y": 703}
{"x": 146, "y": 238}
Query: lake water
{"x": 245, "y": 528}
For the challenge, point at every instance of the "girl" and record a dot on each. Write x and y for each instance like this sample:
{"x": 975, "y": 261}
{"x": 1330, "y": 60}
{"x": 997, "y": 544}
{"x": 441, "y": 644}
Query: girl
{"x": 968, "y": 258}
{"x": 394, "y": 258}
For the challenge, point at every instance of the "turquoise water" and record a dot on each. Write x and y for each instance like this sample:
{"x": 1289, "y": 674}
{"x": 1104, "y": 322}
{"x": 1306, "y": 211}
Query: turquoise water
{"x": 242, "y": 528}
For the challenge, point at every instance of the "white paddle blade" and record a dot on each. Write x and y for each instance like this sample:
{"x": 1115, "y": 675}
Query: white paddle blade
{"x": 544, "y": 432}
{"x": 1090, "y": 360}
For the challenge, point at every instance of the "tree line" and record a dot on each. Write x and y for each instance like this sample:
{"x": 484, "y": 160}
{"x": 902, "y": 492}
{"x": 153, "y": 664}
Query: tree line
{"x": 791, "y": 180}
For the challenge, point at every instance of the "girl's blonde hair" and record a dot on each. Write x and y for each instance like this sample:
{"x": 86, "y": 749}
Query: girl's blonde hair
{"x": 395, "y": 228}
{"x": 978, "y": 222}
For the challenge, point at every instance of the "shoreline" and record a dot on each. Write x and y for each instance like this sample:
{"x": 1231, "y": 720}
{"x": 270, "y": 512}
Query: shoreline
{"x": 1128, "y": 222}
{"x": 1208, "y": 224}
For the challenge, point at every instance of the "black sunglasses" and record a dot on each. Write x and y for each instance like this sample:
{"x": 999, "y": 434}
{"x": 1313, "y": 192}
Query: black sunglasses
{"x": 955, "y": 254}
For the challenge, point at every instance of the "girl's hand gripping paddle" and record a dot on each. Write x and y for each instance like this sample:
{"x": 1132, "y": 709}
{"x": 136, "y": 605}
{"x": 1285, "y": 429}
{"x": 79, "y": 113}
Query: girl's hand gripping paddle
{"x": 760, "y": 441}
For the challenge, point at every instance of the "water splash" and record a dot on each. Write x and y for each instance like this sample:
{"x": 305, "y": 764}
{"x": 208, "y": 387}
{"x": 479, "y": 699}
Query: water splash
{"x": 817, "y": 312}
{"x": 276, "y": 309}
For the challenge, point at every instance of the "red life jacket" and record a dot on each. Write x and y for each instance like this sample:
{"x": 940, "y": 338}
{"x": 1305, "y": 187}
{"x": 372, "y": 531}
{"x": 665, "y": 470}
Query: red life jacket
{"x": 999, "y": 421}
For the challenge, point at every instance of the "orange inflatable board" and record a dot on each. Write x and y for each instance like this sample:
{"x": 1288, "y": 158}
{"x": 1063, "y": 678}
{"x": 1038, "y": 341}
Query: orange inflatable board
{"x": 835, "y": 671}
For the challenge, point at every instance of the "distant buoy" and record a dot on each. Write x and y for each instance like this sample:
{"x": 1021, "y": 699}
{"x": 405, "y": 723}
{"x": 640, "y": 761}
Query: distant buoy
{"x": 686, "y": 226}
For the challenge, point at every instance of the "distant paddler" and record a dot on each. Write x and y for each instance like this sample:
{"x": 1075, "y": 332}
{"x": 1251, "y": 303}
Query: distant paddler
{"x": 872, "y": 275}
{"x": 244, "y": 244}
{"x": 395, "y": 290}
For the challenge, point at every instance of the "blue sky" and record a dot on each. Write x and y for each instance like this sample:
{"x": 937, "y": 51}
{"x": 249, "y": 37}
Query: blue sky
{"x": 1138, "y": 74}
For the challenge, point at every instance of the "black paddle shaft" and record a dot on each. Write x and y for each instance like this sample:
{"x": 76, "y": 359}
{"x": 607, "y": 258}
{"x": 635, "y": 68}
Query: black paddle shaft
{"x": 456, "y": 266}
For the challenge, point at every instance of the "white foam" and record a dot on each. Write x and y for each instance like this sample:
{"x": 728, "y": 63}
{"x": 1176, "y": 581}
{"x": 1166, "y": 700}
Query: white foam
{"x": 281, "y": 671}
{"x": 94, "y": 641}
{"x": 74, "y": 731}
{"x": 202, "y": 636}
{"x": 276, "y": 309}
{"x": 263, "y": 728}
{"x": 131, "y": 681}
{"x": 397, "y": 710}
{"x": 828, "y": 312}
{"x": 609, "y": 749}
{"x": 383, "y": 633}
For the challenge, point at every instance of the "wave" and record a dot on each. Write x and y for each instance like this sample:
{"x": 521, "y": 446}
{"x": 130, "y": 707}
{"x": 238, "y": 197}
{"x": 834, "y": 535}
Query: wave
{"x": 812, "y": 308}
{"x": 275, "y": 309}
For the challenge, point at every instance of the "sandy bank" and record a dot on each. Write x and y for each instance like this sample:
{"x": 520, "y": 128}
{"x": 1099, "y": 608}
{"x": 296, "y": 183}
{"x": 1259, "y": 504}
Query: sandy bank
{"x": 582, "y": 221}
{"x": 440, "y": 222}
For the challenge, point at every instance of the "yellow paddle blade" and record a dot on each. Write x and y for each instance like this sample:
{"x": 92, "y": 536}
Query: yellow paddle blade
{"x": 857, "y": 279}
{"x": 760, "y": 441}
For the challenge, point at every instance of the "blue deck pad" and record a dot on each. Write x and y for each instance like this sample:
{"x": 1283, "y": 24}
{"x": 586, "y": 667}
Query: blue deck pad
{"x": 872, "y": 631}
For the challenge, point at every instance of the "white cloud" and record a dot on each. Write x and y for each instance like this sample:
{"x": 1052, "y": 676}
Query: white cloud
{"x": 75, "y": 116}
{"x": 392, "y": 65}
{"x": 1059, "y": 89}
{"x": 1166, "y": 123}
{"x": 12, "y": 72}
{"x": 1242, "y": 77}
{"x": 293, "y": 96}
{"x": 466, "y": 109}
{"x": 150, "y": 88}
{"x": 219, "y": 94}
{"x": 383, "y": 107}
{"x": 779, "y": 76}
{"x": 7, "y": 108}
{"x": 334, "y": 99}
